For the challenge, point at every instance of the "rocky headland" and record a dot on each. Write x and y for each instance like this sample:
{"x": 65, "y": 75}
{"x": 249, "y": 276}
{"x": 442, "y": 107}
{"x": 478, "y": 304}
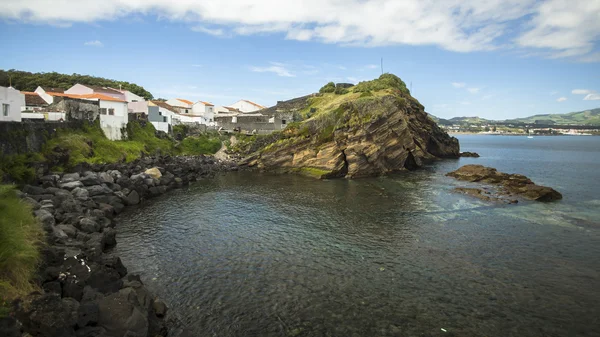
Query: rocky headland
{"x": 499, "y": 186}
{"x": 85, "y": 288}
{"x": 370, "y": 129}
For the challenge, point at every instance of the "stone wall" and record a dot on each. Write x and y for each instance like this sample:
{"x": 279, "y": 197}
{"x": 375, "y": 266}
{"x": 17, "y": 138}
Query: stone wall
{"x": 260, "y": 124}
{"x": 78, "y": 109}
{"x": 18, "y": 138}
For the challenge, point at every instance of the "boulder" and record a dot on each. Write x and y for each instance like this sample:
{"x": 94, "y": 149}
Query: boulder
{"x": 98, "y": 190}
{"x": 88, "y": 225}
{"x": 91, "y": 180}
{"x": 80, "y": 193}
{"x": 507, "y": 185}
{"x": 34, "y": 190}
{"x": 71, "y": 185}
{"x": 70, "y": 230}
{"x": 106, "y": 177}
{"x": 88, "y": 314}
{"x": 133, "y": 198}
{"x": 48, "y": 315}
{"x": 153, "y": 172}
{"x": 46, "y": 218}
{"x": 119, "y": 314}
{"x": 69, "y": 177}
{"x": 160, "y": 308}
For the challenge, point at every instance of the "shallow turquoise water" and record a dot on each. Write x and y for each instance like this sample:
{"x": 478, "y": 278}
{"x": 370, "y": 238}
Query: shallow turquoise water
{"x": 250, "y": 254}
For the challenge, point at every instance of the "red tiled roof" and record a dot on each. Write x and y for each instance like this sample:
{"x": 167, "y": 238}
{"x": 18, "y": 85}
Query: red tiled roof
{"x": 255, "y": 104}
{"x": 186, "y": 101}
{"x": 165, "y": 106}
{"x": 206, "y": 103}
{"x": 87, "y": 96}
{"x": 33, "y": 99}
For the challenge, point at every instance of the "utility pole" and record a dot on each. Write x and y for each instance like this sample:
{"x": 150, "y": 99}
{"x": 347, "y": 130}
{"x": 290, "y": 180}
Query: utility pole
{"x": 382, "y": 66}
{"x": 411, "y": 86}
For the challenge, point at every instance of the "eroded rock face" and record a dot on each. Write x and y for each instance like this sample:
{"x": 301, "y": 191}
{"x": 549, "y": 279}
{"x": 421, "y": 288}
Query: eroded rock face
{"x": 508, "y": 185}
{"x": 370, "y": 138}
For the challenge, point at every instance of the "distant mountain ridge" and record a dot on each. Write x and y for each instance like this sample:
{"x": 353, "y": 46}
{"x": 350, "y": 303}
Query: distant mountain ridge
{"x": 586, "y": 117}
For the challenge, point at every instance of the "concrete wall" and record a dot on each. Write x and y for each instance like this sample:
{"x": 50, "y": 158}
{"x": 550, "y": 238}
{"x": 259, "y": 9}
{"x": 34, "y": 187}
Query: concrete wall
{"x": 112, "y": 124}
{"x": 11, "y": 101}
{"x": 162, "y": 126}
{"x": 131, "y": 97}
{"x": 79, "y": 89}
{"x": 260, "y": 124}
{"x": 43, "y": 115}
{"x": 138, "y": 107}
{"x": 18, "y": 138}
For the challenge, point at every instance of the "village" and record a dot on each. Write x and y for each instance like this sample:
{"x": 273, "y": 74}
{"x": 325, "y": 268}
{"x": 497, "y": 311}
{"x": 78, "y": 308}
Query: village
{"x": 114, "y": 108}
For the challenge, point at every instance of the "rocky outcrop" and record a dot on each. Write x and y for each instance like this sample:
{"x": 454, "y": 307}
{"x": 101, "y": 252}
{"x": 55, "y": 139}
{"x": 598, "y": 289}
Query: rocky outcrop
{"x": 363, "y": 136}
{"x": 507, "y": 186}
{"x": 469, "y": 154}
{"x": 86, "y": 289}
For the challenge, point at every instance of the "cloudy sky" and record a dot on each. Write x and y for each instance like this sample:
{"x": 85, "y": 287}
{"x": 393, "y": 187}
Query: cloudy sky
{"x": 493, "y": 58}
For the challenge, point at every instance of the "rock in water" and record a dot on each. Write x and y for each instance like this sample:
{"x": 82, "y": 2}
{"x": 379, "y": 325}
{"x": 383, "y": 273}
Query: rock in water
{"x": 469, "y": 154}
{"x": 153, "y": 172}
{"x": 374, "y": 129}
{"x": 508, "y": 184}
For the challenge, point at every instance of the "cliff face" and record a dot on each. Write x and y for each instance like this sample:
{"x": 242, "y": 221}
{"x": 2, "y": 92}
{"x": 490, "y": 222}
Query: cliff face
{"x": 357, "y": 134}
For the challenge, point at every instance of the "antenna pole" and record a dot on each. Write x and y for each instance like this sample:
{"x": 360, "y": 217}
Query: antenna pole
{"x": 382, "y": 66}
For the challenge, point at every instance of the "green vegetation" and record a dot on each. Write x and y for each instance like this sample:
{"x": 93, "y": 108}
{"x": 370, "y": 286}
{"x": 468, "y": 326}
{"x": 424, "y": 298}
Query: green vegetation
{"x": 327, "y": 88}
{"x": 314, "y": 172}
{"x": 20, "y": 238}
{"x": 385, "y": 81}
{"x": 587, "y": 117}
{"x": 27, "y": 81}
{"x": 69, "y": 148}
{"x": 203, "y": 144}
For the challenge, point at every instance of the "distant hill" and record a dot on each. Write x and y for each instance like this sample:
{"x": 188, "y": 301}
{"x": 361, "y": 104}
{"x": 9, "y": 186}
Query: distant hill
{"x": 26, "y": 81}
{"x": 587, "y": 117}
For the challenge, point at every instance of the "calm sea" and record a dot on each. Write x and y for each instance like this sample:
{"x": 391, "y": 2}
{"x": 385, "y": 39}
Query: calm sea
{"x": 251, "y": 254}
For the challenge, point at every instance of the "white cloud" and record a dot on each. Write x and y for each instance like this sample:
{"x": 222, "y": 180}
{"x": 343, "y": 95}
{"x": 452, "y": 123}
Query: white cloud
{"x": 209, "y": 31}
{"x": 582, "y": 91}
{"x": 458, "y": 84}
{"x": 276, "y": 68}
{"x": 561, "y": 99}
{"x": 592, "y": 97}
{"x": 556, "y": 28}
{"x": 94, "y": 43}
{"x": 473, "y": 90}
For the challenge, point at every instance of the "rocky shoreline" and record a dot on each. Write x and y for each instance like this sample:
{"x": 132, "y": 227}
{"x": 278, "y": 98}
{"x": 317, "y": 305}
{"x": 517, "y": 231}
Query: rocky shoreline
{"x": 86, "y": 289}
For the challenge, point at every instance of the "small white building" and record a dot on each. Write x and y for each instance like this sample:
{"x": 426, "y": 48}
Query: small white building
{"x": 131, "y": 97}
{"x": 246, "y": 106}
{"x": 206, "y": 110}
{"x": 183, "y": 105}
{"x": 11, "y": 102}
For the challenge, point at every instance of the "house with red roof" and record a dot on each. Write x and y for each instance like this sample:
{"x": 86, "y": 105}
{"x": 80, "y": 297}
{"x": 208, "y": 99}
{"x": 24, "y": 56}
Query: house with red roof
{"x": 206, "y": 110}
{"x": 247, "y": 106}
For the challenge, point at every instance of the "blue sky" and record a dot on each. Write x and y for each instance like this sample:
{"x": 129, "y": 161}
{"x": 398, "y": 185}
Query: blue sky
{"x": 500, "y": 59}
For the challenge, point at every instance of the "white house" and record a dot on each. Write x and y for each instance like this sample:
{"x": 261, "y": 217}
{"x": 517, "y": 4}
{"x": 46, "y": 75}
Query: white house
{"x": 206, "y": 110}
{"x": 131, "y": 97}
{"x": 183, "y": 105}
{"x": 113, "y": 115}
{"x": 11, "y": 101}
{"x": 246, "y": 106}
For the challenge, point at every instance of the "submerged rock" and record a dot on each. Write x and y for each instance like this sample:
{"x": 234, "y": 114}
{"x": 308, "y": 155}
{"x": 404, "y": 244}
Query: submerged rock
{"x": 508, "y": 185}
{"x": 358, "y": 134}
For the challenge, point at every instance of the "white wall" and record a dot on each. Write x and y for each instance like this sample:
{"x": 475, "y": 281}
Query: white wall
{"x": 130, "y": 97}
{"x": 14, "y": 100}
{"x": 244, "y": 106}
{"x": 161, "y": 126}
{"x": 206, "y": 111}
{"x": 49, "y": 116}
{"x": 79, "y": 89}
{"x": 49, "y": 99}
{"x": 111, "y": 125}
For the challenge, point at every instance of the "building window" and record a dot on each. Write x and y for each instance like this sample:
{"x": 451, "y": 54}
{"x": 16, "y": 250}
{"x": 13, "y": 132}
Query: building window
{"x": 103, "y": 111}
{"x": 5, "y": 109}
{"x": 186, "y": 111}
{"x": 283, "y": 121}
{"x": 211, "y": 120}
{"x": 111, "y": 111}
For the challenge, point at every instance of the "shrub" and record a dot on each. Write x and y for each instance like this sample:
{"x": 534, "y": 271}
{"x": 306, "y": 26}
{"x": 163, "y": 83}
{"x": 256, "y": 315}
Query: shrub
{"x": 200, "y": 145}
{"x": 385, "y": 81}
{"x": 340, "y": 91}
{"x": 327, "y": 88}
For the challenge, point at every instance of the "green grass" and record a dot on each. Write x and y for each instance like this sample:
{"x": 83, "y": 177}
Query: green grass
{"x": 314, "y": 172}
{"x": 200, "y": 145}
{"x": 20, "y": 238}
